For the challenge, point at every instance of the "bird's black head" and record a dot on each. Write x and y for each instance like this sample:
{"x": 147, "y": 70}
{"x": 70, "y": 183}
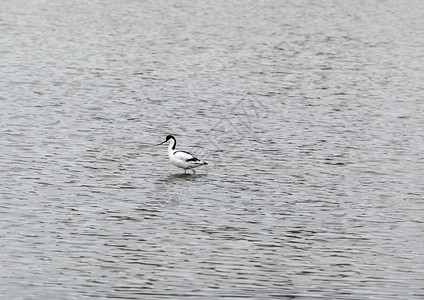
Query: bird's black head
{"x": 169, "y": 137}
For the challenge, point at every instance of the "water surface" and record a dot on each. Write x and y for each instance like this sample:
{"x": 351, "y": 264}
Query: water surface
{"x": 309, "y": 114}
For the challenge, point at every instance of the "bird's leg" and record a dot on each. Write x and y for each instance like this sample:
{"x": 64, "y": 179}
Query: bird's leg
{"x": 194, "y": 172}
{"x": 185, "y": 171}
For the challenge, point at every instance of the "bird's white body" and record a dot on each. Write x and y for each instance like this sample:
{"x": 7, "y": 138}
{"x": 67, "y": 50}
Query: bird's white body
{"x": 182, "y": 159}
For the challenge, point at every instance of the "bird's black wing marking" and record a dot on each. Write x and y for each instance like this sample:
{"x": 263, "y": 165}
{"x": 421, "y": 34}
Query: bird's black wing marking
{"x": 184, "y": 152}
{"x": 193, "y": 159}
{"x": 187, "y": 157}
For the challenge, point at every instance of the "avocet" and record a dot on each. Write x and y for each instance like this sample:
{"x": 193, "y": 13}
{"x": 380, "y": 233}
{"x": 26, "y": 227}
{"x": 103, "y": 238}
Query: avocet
{"x": 182, "y": 159}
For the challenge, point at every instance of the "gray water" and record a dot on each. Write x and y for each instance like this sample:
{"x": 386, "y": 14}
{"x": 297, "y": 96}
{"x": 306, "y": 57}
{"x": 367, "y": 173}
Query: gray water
{"x": 310, "y": 114}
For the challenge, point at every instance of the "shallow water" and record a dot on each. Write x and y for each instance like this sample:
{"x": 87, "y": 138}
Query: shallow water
{"x": 309, "y": 114}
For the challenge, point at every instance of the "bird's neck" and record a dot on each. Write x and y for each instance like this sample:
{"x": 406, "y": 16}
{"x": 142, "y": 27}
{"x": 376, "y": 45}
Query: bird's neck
{"x": 172, "y": 144}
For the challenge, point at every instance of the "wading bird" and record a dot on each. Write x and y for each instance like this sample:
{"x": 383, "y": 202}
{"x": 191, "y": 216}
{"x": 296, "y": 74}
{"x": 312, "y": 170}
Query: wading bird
{"x": 181, "y": 159}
